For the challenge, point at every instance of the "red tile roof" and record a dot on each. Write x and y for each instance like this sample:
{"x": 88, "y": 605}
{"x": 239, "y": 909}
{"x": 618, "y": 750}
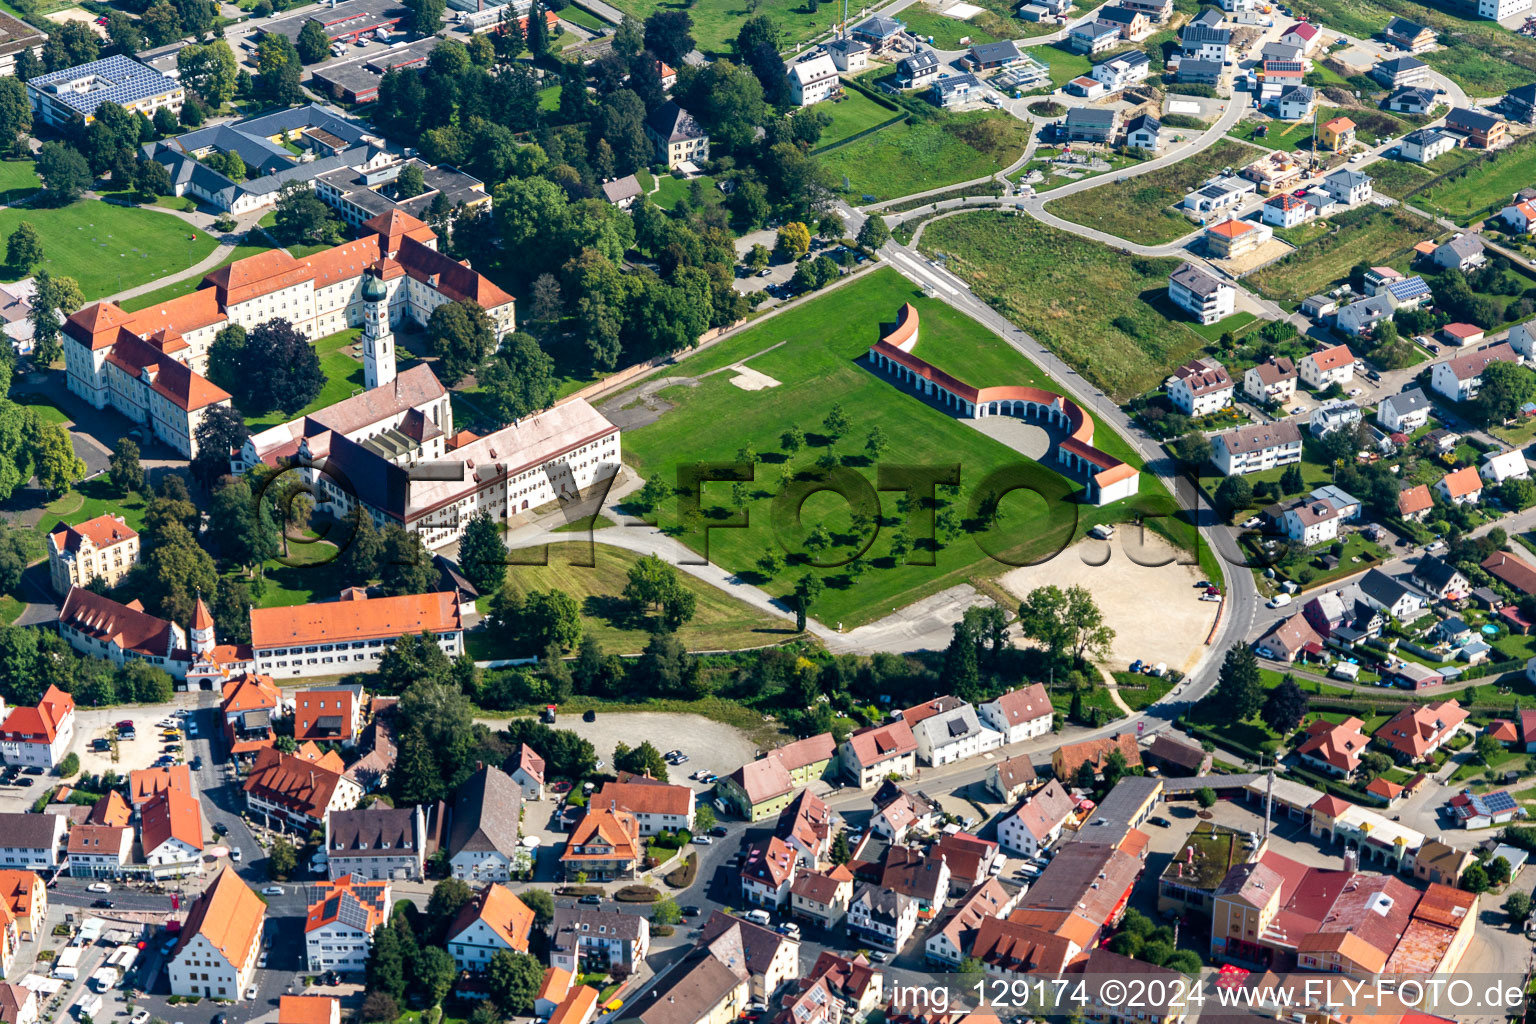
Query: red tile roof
{"x": 1339, "y": 745}
{"x": 39, "y": 724}
{"x": 257, "y": 275}
{"x": 301, "y": 784}
{"x": 146, "y": 783}
{"x": 229, "y": 915}
{"x": 174, "y": 814}
{"x": 370, "y": 897}
{"x": 1462, "y": 482}
{"x": 502, "y": 912}
{"x": 307, "y": 1010}
{"x": 104, "y": 531}
{"x": 1515, "y": 571}
{"x": 356, "y": 618}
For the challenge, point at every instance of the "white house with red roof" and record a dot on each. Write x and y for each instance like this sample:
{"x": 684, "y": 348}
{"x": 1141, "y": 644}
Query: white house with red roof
{"x": 104, "y": 628}
{"x": 1461, "y": 486}
{"x": 1415, "y": 733}
{"x": 171, "y": 834}
{"x": 1520, "y": 217}
{"x": 1038, "y": 821}
{"x": 215, "y": 956}
{"x": 767, "y": 872}
{"x": 529, "y": 773}
{"x": 103, "y": 548}
{"x": 351, "y": 634}
{"x": 339, "y": 925}
{"x": 1022, "y": 714}
{"x": 494, "y": 922}
{"x": 99, "y": 851}
{"x": 875, "y": 752}
{"x": 1326, "y": 367}
{"x": 39, "y": 736}
{"x": 1334, "y": 747}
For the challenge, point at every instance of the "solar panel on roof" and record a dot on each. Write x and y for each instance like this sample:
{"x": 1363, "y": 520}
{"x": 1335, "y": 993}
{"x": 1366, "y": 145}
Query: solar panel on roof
{"x": 1498, "y": 802}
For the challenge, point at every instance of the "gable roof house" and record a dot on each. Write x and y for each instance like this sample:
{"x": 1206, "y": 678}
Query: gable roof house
{"x": 1408, "y": 35}
{"x": 1463, "y": 252}
{"x": 1071, "y": 756}
{"x": 299, "y": 788}
{"x": 898, "y": 812}
{"x": 1288, "y": 639}
{"x": 33, "y": 841}
{"x": 1012, "y": 778}
{"x": 882, "y": 918}
{"x": 99, "y": 851}
{"x": 171, "y": 834}
{"x": 657, "y": 806}
{"x": 1404, "y": 412}
{"x": 339, "y": 925}
{"x": 248, "y": 704}
{"x": 1174, "y": 756}
{"x": 1461, "y": 486}
{"x": 377, "y": 843}
{"x": 494, "y": 922}
{"x": 813, "y": 80}
{"x": 40, "y": 736}
{"x": 1482, "y": 129}
{"x": 1440, "y": 579}
{"x": 329, "y": 714}
{"x": 1038, "y": 821}
{"x": 216, "y": 952}
{"x": 1415, "y": 733}
{"x": 953, "y": 935}
{"x": 807, "y": 825}
{"x": 762, "y": 788}
{"x": 604, "y": 845}
{"x": 953, "y": 735}
{"x": 1459, "y": 378}
{"x": 771, "y": 958}
{"x": 970, "y": 859}
{"x": 710, "y": 983}
{"x": 1021, "y": 714}
{"x": 876, "y": 751}
{"x": 594, "y": 939}
{"x": 1334, "y": 748}
{"x": 767, "y": 870}
{"x": 822, "y": 896}
{"x": 1498, "y": 467}
{"x": 483, "y": 827}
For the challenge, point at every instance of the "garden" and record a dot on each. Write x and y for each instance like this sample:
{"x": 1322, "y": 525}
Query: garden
{"x": 924, "y": 153}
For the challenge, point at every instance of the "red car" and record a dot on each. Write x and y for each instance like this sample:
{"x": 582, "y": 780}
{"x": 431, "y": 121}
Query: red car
{"x": 1300, "y": 193}
{"x": 126, "y": 723}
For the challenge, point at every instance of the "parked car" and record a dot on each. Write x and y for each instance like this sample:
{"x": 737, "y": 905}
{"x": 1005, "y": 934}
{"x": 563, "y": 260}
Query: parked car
{"x": 1160, "y": 820}
{"x": 101, "y": 903}
{"x": 590, "y": 898}
{"x": 703, "y": 840}
{"x": 719, "y": 830}
{"x": 272, "y": 890}
{"x": 691, "y": 911}
{"x": 98, "y": 887}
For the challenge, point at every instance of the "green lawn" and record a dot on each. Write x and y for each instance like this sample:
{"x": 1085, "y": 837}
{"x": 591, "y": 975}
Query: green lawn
{"x": 1117, "y": 331}
{"x": 721, "y": 622}
{"x": 820, "y": 366}
{"x": 1142, "y": 209}
{"x": 18, "y": 179}
{"x": 1480, "y": 55}
{"x": 45, "y": 409}
{"x": 675, "y": 190}
{"x": 549, "y": 99}
{"x": 1485, "y": 187}
{"x": 343, "y": 379}
{"x": 1293, "y": 135}
{"x": 586, "y": 19}
{"x": 108, "y": 248}
{"x": 917, "y": 156}
{"x": 90, "y": 499}
{"x": 307, "y": 573}
{"x": 1401, "y": 178}
{"x": 1237, "y": 324}
{"x": 852, "y": 114}
{"x": 1064, "y": 64}
{"x": 189, "y": 285}
{"x": 1374, "y": 236}
{"x": 987, "y": 27}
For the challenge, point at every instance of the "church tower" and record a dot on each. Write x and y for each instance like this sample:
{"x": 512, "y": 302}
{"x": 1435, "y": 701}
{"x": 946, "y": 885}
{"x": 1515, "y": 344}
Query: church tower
{"x": 378, "y": 340}
{"x": 202, "y": 629}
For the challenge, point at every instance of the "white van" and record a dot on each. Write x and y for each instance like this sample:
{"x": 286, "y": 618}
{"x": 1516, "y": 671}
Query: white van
{"x": 759, "y": 917}
{"x": 1280, "y": 600}
{"x": 98, "y": 887}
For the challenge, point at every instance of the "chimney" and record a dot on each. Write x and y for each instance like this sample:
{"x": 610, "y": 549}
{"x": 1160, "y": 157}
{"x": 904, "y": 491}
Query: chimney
{"x": 1350, "y": 860}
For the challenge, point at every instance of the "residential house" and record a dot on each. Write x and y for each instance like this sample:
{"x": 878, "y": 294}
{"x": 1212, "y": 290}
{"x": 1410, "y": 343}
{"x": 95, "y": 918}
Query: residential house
{"x": 529, "y": 773}
{"x": 807, "y": 825}
{"x": 1483, "y": 810}
{"x": 331, "y": 714}
{"x": 953, "y": 735}
{"x": 1231, "y": 238}
{"x": 1440, "y": 579}
{"x": 1010, "y": 779}
{"x": 878, "y": 33}
{"x": 924, "y": 878}
{"x": 99, "y": 851}
{"x": 1404, "y": 412}
{"x": 1390, "y": 595}
{"x": 1256, "y": 448}
{"x": 248, "y": 704}
{"x": 1294, "y": 103}
{"x": 623, "y": 192}
{"x": 299, "y": 788}
{"x": 1286, "y": 211}
{"x": 1425, "y": 144}
{"x": 1038, "y": 822}
{"x": 1311, "y": 522}
{"x": 1412, "y": 99}
{"x": 1415, "y": 733}
{"x": 1021, "y": 714}
{"x": 987, "y": 56}
{"x": 1094, "y": 37}
{"x": 1121, "y": 71}
{"x": 103, "y": 548}
{"x": 1200, "y": 72}
{"x": 882, "y": 918}
{"x": 171, "y": 834}
{"x": 970, "y": 859}
{"x": 18, "y": 1004}
{"x": 216, "y": 949}
{"x": 1337, "y": 133}
{"x": 1204, "y": 296}
{"x": 772, "y": 959}
{"x": 1285, "y": 52}
{"x": 1462, "y": 335}
{"x": 1219, "y": 193}
{"x": 144, "y": 784}
{"x": 605, "y": 845}
{"x": 1331, "y": 416}
{"x": 676, "y": 136}
{"x": 1070, "y": 757}
{"x": 848, "y": 53}
{"x": 875, "y": 752}
{"x": 39, "y": 736}
{"x": 1408, "y": 35}
{"x": 1482, "y": 129}
{"x": 953, "y": 935}
{"x": 1498, "y": 467}
{"x": 1414, "y": 503}
{"x": 484, "y": 826}
{"x": 1459, "y": 378}
{"x": 1348, "y": 186}
{"x": 1360, "y": 318}
{"x": 1144, "y": 132}
{"x": 813, "y": 79}
{"x": 495, "y": 921}
{"x": 918, "y": 70}
{"x": 594, "y": 939}
{"x": 339, "y": 925}
{"x": 377, "y": 843}
{"x": 1134, "y": 25}
{"x": 767, "y": 870}
{"x": 709, "y": 985}
{"x": 1520, "y": 217}
{"x": 34, "y": 842}
{"x": 1092, "y": 124}
{"x": 898, "y": 812}
{"x": 1305, "y": 35}
{"x": 1326, "y": 367}
{"x": 1017, "y": 952}
{"x": 1334, "y": 748}
{"x": 856, "y": 983}
{"x": 1463, "y": 252}
{"x": 1271, "y": 382}
{"x": 1461, "y": 486}
{"x": 1102, "y": 1002}
{"x": 822, "y": 896}
{"x": 954, "y": 90}
{"x": 763, "y": 787}
{"x": 1202, "y": 42}
{"x": 657, "y": 806}
{"x": 1176, "y": 757}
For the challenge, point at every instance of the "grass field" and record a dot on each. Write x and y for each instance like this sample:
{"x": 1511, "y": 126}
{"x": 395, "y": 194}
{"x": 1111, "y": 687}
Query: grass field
{"x": 45, "y": 409}
{"x": 721, "y": 622}
{"x": 916, "y": 156}
{"x": 586, "y": 19}
{"x": 90, "y": 499}
{"x": 675, "y": 190}
{"x": 18, "y": 179}
{"x": 852, "y": 114}
{"x": 1485, "y": 187}
{"x": 343, "y": 378}
{"x": 1064, "y": 64}
{"x": 1401, "y": 178}
{"x": 108, "y": 248}
{"x": 1116, "y": 331}
{"x": 189, "y": 285}
{"x": 1292, "y": 135}
{"x": 1141, "y": 209}
{"x": 1373, "y": 236}
{"x": 309, "y": 572}
{"x": 1481, "y": 56}
{"x": 819, "y": 366}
